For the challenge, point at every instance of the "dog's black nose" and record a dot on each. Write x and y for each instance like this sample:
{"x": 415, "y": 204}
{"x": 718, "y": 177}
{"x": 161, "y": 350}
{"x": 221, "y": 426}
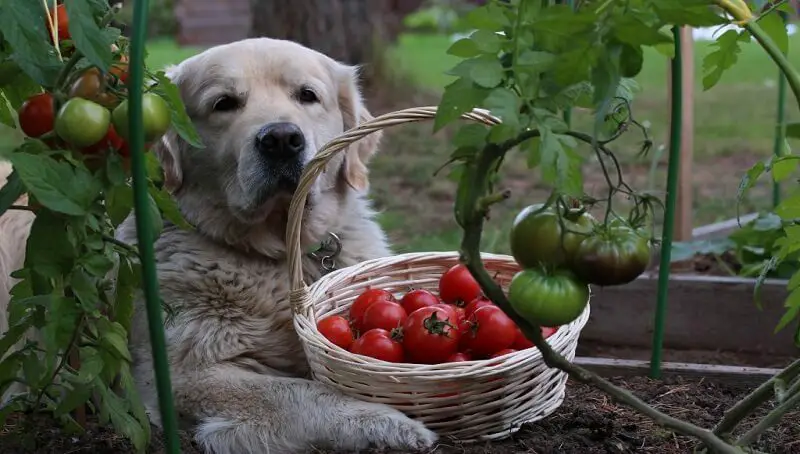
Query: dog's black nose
{"x": 280, "y": 140}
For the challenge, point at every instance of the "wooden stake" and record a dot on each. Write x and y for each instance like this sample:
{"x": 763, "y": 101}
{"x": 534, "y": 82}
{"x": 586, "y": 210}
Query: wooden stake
{"x": 684, "y": 212}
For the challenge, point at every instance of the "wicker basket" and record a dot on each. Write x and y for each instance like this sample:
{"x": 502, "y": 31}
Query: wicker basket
{"x": 470, "y": 401}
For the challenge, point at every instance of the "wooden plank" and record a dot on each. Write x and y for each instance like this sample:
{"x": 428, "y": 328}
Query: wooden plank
{"x": 703, "y": 312}
{"x": 684, "y": 212}
{"x": 608, "y": 367}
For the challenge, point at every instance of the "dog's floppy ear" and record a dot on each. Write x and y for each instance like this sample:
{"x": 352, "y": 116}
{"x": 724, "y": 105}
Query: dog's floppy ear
{"x": 354, "y": 112}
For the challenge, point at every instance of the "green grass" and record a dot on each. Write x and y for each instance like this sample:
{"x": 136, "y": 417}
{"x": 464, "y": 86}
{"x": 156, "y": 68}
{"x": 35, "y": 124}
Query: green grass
{"x": 164, "y": 52}
{"x": 734, "y": 126}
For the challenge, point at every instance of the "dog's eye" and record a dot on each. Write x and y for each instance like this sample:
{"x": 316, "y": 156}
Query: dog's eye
{"x": 225, "y": 104}
{"x": 307, "y": 96}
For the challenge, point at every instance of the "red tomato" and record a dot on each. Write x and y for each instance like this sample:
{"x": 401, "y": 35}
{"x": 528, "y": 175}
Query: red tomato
{"x": 491, "y": 330}
{"x": 548, "y": 331}
{"x": 502, "y": 352}
{"x": 457, "y": 286}
{"x": 337, "y": 330}
{"x": 521, "y": 342}
{"x": 63, "y": 22}
{"x": 111, "y": 140}
{"x": 37, "y": 115}
{"x": 378, "y": 344}
{"x": 456, "y": 313}
{"x": 458, "y": 357}
{"x": 364, "y": 301}
{"x": 385, "y": 315}
{"x": 428, "y": 335}
{"x": 477, "y": 303}
{"x": 418, "y": 298}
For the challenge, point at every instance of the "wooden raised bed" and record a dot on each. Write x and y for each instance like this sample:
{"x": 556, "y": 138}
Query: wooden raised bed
{"x": 713, "y": 327}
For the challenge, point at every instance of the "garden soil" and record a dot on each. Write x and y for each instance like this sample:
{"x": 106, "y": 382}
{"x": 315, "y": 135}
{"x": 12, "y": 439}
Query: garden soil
{"x": 588, "y": 422}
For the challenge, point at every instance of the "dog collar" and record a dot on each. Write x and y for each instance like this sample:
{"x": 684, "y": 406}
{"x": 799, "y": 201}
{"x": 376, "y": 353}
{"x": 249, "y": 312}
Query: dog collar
{"x": 326, "y": 251}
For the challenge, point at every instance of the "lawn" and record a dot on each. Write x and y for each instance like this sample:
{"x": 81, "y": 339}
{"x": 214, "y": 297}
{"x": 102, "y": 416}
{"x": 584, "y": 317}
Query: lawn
{"x": 734, "y": 125}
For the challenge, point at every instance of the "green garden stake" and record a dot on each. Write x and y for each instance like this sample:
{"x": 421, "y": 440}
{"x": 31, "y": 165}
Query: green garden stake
{"x": 669, "y": 216}
{"x": 780, "y": 127}
{"x": 144, "y": 230}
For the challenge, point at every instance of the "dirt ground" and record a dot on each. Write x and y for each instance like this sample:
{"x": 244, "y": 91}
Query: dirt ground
{"x": 588, "y": 422}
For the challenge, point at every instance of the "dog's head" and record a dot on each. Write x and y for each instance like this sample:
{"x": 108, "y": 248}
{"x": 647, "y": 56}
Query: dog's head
{"x": 263, "y": 108}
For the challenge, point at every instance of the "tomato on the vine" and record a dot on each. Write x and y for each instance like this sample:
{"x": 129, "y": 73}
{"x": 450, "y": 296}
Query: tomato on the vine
{"x": 81, "y": 122}
{"x": 429, "y": 337}
{"x": 418, "y": 298}
{"x": 60, "y": 14}
{"x": 366, "y": 299}
{"x": 379, "y": 344}
{"x": 120, "y": 71}
{"x": 614, "y": 255}
{"x": 383, "y": 314}
{"x": 37, "y": 115}
{"x": 457, "y": 286}
{"x": 548, "y": 297}
{"x": 156, "y": 117}
{"x": 489, "y": 330}
{"x": 521, "y": 342}
{"x": 91, "y": 85}
{"x": 337, "y": 330}
{"x": 111, "y": 141}
{"x": 537, "y": 235}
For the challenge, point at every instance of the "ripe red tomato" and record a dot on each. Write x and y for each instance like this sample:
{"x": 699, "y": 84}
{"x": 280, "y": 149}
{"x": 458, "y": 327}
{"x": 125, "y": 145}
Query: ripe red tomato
{"x": 521, "y": 342}
{"x": 37, "y": 115}
{"x": 548, "y": 331}
{"x": 111, "y": 141}
{"x": 418, "y": 298}
{"x": 120, "y": 70}
{"x": 477, "y": 303}
{"x": 502, "y": 352}
{"x": 456, "y": 313}
{"x": 379, "y": 344}
{"x": 428, "y": 335}
{"x": 491, "y": 330}
{"x": 63, "y": 22}
{"x": 457, "y": 286}
{"x": 385, "y": 315}
{"x": 337, "y": 330}
{"x": 458, "y": 357}
{"x": 364, "y": 301}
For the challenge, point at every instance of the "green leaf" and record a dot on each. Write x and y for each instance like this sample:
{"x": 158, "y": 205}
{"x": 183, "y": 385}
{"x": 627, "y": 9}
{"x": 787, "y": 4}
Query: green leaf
{"x": 774, "y": 26}
{"x": 560, "y": 164}
{"x": 48, "y": 250}
{"x": 10, "y": 192}
{"x": 534, "y": 153}
{"x": 116, "y": 409}
{"x": 792, "y": 305}
{"x": 180, "y": 119}
{"x": 793, "y": 130}
{"x": 782, "y": 167}
{"x": 114, "y": 338}
{"x": 85, "y": 290}
{"x": 23, "y": 26}
{"x": 167, "y": 205}
{"x": 78, "y": 395}
{"x": 470, "y": 135}
{"x": 119, "y": 203}
{"x": 504, "y": 104}
{"x": 156, "y": 222}
{"x": 487, "y": 17}
{"x": 97, "y": 265}
{"x": 535, "y": 61}
{"x": 19, "y": 89}
{"x": 486, "y": 71}
{"x": 488, "y": 42}
{"x": 459, "y": 97}
{"x": 695, "y": 13}
{"x": 86, "y": 35}
{"x": 56, "y": 184}
{"x": 631, "y": 30}
{"x": 10, "y": 139}
{"x": 7, "y": 116}
{"x": 464, "y": 48}
{"x": 749, "y": 179}
{"x": 15, "y": 333}
{"x": 128, "y": 276}
{"x": 723, "y": 58}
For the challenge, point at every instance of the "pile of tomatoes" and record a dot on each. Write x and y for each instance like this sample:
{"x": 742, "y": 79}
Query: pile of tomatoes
{"x": 458, "y": 324}
{"x": 564, "y": 249}
{"x": 89, "y": 112}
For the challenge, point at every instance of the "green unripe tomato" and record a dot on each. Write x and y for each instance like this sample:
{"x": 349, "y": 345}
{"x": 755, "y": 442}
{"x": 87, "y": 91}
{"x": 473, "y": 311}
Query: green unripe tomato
{"x": 81, "y": 122}
{"x": 536, "y": 236}
{"x": 548, "y": 298}
{"x": 156, "y": 117}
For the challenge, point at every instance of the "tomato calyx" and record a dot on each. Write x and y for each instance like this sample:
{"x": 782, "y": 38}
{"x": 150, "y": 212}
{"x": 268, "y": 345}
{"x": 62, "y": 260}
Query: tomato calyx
{"x": 435, "y": 325}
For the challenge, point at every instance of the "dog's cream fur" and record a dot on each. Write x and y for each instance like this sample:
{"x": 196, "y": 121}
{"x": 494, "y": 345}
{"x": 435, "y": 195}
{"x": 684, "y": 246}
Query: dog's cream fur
{"x": 239, "y": 374}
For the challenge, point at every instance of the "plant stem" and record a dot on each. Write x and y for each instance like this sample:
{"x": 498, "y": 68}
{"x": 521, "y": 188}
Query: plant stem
{"x": 470, "y": 213}
{"x": 755, "y": 399}
{"x": 774, "y": 416}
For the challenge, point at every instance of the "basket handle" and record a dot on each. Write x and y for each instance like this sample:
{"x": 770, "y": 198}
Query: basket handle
{"x": 299, "y": 291}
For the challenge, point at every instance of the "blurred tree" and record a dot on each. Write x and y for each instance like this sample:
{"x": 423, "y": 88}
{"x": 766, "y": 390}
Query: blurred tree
{"x": 351, "y": 31}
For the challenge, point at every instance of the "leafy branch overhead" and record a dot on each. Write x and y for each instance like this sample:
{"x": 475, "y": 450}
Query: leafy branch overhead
{"x": 63, "y": 127}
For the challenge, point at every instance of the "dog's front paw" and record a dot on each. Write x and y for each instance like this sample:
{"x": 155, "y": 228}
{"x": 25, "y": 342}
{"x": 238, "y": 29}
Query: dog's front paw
{"x": 391, "y": 429}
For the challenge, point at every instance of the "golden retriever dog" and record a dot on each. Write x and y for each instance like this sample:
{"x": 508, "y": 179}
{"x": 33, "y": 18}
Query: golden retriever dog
{"x": 263, "y": 108}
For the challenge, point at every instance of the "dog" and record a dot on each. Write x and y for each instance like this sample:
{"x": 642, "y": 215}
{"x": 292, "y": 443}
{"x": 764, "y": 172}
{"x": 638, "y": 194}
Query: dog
{"x": 263, "y": 108}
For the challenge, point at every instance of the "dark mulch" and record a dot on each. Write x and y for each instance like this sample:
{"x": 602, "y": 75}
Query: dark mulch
{"x": 587, "y": 423}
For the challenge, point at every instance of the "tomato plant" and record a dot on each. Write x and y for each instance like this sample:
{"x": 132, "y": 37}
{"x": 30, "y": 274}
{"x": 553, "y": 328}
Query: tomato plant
{"x": 429, "y": 337}
{"x": 378, "y": 343}
{"x": 37, "y": 115}
{"x": 337, "y": 330}
{"x": 489, "y": 331}
{"x": 612, "y": 256}
{"x": 457, "y": 286}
